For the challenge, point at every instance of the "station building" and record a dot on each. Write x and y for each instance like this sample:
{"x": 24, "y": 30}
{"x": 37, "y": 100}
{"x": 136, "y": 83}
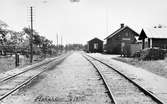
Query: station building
{"x": 119, "y": 39}
{"x": 95, "y": 45}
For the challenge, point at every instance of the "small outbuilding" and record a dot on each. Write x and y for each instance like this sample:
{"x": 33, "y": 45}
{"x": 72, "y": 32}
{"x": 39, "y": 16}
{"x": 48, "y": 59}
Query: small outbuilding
{"x": 95, "y": 45}
{"x": 154, "y": 37}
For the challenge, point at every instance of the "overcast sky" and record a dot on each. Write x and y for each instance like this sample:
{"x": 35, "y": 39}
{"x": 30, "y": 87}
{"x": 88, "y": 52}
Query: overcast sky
{"x": 82, "y": 21}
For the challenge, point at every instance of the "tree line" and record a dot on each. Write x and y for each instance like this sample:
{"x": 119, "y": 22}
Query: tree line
{"x": 12, "y": 42}
{"x": 19, "y": 42}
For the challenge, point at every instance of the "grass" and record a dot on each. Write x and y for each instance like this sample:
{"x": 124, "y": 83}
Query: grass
{"x": 8, "y": 62}
{"x": 158, "y": 67}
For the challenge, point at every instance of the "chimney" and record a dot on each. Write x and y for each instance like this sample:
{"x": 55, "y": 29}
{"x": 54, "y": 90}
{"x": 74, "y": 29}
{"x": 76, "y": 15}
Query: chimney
{"x": 122, "y": 25}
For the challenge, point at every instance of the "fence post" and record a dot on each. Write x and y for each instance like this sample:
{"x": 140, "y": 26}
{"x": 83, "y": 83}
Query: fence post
{"x": 16, "y": 60}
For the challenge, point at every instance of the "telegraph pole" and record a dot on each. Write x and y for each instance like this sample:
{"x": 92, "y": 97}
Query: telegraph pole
{"x": 61, "y": 42}
{"x": 31, "y": 36}
{"x": 57, "y": 41}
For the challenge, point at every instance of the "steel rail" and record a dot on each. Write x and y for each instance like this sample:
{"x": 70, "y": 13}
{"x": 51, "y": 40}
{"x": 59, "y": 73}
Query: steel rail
{"x": 20, "y": 86}
{"x": 110, "y": 94}
{"x": 145, "y": 91}
{"x": 33, "y": 77}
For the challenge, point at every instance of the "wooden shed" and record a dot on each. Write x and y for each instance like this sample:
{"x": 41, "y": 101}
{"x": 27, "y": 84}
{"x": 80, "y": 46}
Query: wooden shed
{"x": 95, "y": 45}
{"x": 154, "y": 37}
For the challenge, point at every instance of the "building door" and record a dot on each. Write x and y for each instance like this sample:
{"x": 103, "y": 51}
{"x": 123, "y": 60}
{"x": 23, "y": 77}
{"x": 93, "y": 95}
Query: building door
{"x": 122, "y": 45}
{"x": 122, "y": 48}
{"x": 95, "y": 46}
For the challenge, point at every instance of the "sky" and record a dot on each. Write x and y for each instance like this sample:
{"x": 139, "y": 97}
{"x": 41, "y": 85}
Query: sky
{"x": 81, "y": 21}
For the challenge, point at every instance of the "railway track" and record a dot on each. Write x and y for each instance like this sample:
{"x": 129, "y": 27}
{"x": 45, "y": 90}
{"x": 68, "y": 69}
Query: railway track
{"x": 23, "y": 70}
{"x": 12, "y": 83}
{"x": 121, "y": 89}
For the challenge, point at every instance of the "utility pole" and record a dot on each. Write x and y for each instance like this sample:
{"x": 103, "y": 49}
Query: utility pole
{"x": 31, "y": 36}
{"x": 61, "y": 42}
{"x": 57, "y": 41}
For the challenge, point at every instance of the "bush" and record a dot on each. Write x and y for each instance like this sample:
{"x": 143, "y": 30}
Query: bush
{"x": 151, "y": 54}
{"x": 137, "y": 54}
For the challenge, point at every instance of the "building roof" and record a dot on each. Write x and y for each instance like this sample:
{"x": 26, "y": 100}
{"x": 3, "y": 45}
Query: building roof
{"x": 156, "y": 32}
{"x": 94, "y": 39}
{"x": 142, "y": 35}
{"x": 119, "y": 30}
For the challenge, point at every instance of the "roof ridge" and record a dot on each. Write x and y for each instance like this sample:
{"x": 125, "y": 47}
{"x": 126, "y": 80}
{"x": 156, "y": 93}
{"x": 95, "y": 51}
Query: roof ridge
{"x": 111, "y": 35}
{"x": 95, "y": 38}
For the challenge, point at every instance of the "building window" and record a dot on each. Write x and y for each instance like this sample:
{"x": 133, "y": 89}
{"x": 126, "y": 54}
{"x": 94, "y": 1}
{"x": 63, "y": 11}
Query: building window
{"x": 126, "y": 34}
{"x": 95, "y": 46}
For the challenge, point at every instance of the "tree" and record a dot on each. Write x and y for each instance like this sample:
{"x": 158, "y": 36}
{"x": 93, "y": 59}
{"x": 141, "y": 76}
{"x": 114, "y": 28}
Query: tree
{"x": 74, "y": 47}
{"x": 27, "y": 30}
{"x": 3, "y": 33}
{"x": 36, "y": 37}
{"x": 45, "y": 45}
{"x": 16, "y": 39}
{"x": 39, "y": 42}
